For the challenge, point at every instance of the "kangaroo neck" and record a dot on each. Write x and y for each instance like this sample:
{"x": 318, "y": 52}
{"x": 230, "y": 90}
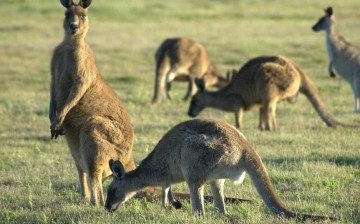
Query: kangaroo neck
{"x": 76, "y": 41}
{"x": 220, "y": 100}
{"x": 141, "y": 178}
{"x": 134, "y": 180}
{"x": 81, "y": 54}
{"x": 333, "y": 39}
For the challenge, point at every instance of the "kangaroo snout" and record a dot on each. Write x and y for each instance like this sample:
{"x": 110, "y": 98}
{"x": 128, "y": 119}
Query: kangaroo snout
{"x": 111, "y": 208}
{"x": 74, "y": 28}
{"x": 314, "y": 28}
{"x": 191, "y": 113}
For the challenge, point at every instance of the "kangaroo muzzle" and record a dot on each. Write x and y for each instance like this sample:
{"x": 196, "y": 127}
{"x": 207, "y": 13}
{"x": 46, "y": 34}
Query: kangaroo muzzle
{"x": 73, "y": 28}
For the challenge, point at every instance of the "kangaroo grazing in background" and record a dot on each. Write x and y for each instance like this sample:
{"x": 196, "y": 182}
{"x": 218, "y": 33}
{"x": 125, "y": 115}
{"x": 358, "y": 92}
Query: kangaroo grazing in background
{"x": 182, "y": 59}
{"x": 261, "y": 83}
{"x": 83, "y": 106}
{"x": 199, "y": 151}
{"x": 344, "y": 57}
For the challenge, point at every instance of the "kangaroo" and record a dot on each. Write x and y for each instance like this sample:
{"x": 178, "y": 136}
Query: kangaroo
{"x": 183, "y": 59}
{"x": 344, "y": 57}
{"x": 95, "y": 130}
{"x": 261, "y": 83}
{"x": 199, "y": 151}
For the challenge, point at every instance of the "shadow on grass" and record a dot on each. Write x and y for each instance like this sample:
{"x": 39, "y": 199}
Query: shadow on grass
{"x": 340, "y": 160}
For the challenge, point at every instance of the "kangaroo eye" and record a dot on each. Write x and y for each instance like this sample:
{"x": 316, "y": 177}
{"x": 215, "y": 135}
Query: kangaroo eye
{"x": 83, "y": 16}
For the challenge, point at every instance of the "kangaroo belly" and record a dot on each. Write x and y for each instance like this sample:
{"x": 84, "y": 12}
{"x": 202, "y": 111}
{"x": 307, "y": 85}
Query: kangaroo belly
{"x": 233, "y": 173}
{"x": 346, "y": 68}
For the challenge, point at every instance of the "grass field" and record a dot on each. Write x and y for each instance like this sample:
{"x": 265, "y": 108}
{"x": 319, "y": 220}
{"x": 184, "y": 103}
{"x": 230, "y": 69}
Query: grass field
{"x": 314, "y": 169}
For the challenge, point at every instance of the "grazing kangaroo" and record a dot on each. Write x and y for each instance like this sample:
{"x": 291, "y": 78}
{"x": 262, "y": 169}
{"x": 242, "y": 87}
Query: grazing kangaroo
{"x": 199, "y": 151}
{"x": 83, "y": 106}
{"x": 261, "y": 83}
{"x": 344, "y": 57}
{"x": 182, "y": 59}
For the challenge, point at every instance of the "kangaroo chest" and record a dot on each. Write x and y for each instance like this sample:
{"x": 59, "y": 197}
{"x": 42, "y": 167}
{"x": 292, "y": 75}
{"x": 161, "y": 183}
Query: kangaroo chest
{"x": 71, "y": 71}
{"x": 329, "y": 48}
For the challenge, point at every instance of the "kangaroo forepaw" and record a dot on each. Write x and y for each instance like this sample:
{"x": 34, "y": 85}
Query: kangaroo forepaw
{"x": 55, "y": 132}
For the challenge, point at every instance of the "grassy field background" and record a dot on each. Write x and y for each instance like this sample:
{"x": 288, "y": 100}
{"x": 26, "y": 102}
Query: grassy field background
{"x": 314, "y": 169}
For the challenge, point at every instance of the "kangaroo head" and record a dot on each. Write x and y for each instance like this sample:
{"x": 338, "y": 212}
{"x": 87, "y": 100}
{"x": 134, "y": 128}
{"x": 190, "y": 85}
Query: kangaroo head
{"x": 324, "y": 21}
{"x": 198, "y": 101}
{"x": 75, "y": 21}
{"x": 117, "y": 193}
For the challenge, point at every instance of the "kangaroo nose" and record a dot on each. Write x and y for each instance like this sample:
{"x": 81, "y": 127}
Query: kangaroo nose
{"x": 74, "y": 28}
{"x": 191, "y": 114}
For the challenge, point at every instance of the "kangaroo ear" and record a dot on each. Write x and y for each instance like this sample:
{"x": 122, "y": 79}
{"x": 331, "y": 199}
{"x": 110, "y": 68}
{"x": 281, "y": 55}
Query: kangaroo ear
{"x": 200, "y": 84}
{"x": 329, "y": 11}
{"x": 117, "y": 168}
{"x": 234, "y": 72}
{"x": 67, "y": 3}
{"x": 85, "y": 3}
{"x": 230, "y": 74}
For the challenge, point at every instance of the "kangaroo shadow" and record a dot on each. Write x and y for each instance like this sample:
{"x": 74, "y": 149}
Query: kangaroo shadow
{"x": 339, "y": 160}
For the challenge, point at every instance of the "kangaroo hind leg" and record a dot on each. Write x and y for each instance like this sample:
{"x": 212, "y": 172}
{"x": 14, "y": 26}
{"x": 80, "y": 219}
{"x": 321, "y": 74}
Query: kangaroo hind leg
{"x": 270, "y": 120}
{"x": 92, "y": 155}
{"x": 197, "y": 198}
{"x": 97, "y": 195}
{"x": 191, "y": 90}
{"x": 217, "y": 190}
{"x": 262, "y": 118}
{"x": 356, "y": 90}
{"x": 84, "y": 187}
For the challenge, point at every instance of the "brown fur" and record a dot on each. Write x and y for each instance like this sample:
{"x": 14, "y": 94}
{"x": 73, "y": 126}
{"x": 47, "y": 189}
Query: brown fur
{"x": 344, "y": 57}
{"x": 96, "y": 124}
{"x": 199, "y": 151}
{"x": 261, "y": 83}
{"x": 182, "y": 59}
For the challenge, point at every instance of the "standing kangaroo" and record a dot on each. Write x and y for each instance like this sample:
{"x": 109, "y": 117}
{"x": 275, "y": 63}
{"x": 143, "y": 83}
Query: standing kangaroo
{"x": 344, "y": 57}
{"x": 182, "y": 59}
{"x": 261, "y": 83}
{"x": 83, "y": 106}
{"x": 199, "y": 151}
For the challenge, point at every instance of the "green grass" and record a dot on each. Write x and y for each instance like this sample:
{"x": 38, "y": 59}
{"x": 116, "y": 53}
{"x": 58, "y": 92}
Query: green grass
{"x": 314, "y": 169}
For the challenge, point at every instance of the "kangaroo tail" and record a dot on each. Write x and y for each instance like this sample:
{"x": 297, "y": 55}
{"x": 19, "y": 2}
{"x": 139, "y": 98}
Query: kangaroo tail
{"x": 162, "y": 67}
{"x": 309, "y": 89}
{"x": 256, "y": 170}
